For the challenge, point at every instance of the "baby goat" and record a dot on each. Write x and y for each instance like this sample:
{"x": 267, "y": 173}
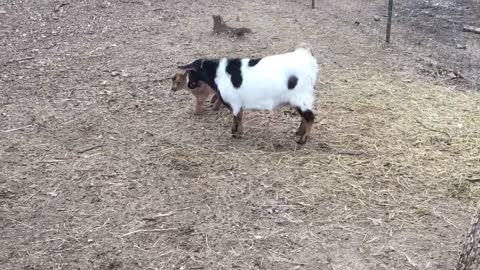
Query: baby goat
{"x": 201, "y": 92}
{"x": 261, "y": 84}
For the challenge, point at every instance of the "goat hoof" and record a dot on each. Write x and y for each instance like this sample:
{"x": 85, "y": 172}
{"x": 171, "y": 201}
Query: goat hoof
{"x": 302, "y": 140}
{"x": 237, "y": 136}
{"x": 300, "y": 132}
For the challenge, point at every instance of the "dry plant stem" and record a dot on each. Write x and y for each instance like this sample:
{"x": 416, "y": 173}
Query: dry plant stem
{"x": 152, "y": 230}
{"x": 90, "y": 148}
{"x": 434, "y": 130}
{"x": 471, "y": 29}
{"x": 19, "y": 60}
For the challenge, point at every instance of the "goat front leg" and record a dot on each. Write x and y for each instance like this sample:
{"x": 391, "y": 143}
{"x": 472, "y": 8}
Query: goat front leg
{"x": 306, "y": 126}
{"x": 237, "y": 127}
{"x": 199, "y": 100}
{"x": 217, "y": 104}
{"x": 214, "y": 98}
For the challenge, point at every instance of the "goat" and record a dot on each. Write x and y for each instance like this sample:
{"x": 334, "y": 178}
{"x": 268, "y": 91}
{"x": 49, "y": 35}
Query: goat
{"x": 201, "y": 92}
{"x": 261, "y": 84}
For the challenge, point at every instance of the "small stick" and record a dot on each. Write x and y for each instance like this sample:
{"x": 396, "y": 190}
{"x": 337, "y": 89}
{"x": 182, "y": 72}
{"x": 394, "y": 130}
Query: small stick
{"x": 90, "y": 148}
{"x": 280, "y": 259}
{"x": 350, "y": 153}
{"x": 151, "y": 218}
{"x": 409, "y": 260}
{"x": 313, "y": 4}
{"x": 51, "y": 161}
{"x": 163, "y": 79}
{"x": 14, "y": 129}
{"x": 153, "y": 230}
{"x": 434, "y": 130}
{"x": 474, "y": 180}
{"x": 58, "y": 7}
{"x": 19, "y": 60}
{"x": 471, "y": 29}
{"x": 21, "y": 223}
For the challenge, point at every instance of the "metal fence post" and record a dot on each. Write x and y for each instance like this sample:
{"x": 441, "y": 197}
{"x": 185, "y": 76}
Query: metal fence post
{"x": 389, "y": 23}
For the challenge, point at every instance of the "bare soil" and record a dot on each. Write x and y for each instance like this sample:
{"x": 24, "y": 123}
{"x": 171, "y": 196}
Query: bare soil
{"x": 103, "y": 167}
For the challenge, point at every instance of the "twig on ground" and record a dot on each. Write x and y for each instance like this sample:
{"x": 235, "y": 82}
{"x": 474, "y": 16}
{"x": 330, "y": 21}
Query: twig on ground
{"x": 59, "y": 6}
{"x": 350, "y": 153}
{"x": 21, "y": 223}
{"x": 152, "y": 230}
{"x": 279, "y": 259}
{"x": 434, "y": 130}
{"x": 15, "y": 129}
{"x": 152, "y": 218}
{"x": 474, "y": 180}
{"x": 90, "y": 148}
{"x": 471, "y": 29}
{"x": 19, "y": 60}
{"x": 409, "y": 260}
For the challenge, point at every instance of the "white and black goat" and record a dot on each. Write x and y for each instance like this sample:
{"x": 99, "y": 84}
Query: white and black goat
{"x": 261, "y": 84}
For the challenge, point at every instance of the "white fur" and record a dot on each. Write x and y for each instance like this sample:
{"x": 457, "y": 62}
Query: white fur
{"x": 264, "y": 86}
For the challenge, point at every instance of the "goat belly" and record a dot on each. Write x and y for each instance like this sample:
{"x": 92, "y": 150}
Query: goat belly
{"x": 259, "y": 105}
{"x": 264, "y": 104}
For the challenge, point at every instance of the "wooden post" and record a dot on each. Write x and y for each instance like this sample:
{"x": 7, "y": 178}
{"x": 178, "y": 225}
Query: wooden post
{"x": 313, "y": 4}
{"x": 389, "y": 22}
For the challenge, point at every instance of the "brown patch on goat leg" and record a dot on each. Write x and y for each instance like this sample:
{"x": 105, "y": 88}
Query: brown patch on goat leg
{"x": 307, "y": 118}
{"x": 201, "y": 93}
{"x": 198, "y": 107}
{"x": 301, "y": 129}
{"x": 214, "y": 98}
{"x": 237, "y": 128}
{"x": 200, "y": 99}
{"x": 217, "y": 104}
{"x": 304, "y": 137}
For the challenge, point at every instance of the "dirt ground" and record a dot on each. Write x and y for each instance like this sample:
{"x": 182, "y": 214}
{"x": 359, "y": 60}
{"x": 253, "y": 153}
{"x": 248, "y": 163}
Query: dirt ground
{"x": 103, "y": 167}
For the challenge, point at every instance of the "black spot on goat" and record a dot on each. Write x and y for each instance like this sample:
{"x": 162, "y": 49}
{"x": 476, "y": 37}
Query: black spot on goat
{"x": 292, "y": 82}
{"x": 234, "y": 69}
{"x": 253, "y": 62}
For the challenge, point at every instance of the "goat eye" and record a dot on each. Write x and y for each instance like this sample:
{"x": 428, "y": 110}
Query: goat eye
{"x": 192, "y": 85}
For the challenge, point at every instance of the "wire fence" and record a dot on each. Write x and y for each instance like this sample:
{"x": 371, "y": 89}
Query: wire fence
{"x": 445, "y": 32}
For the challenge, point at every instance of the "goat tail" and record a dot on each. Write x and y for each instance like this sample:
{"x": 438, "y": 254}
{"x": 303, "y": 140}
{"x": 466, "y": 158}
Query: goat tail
{"x": 305, "y": 46}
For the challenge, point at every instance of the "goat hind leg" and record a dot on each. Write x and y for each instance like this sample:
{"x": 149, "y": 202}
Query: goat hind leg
{"x": 237, "y": 127}
{"x": 307, "y": 122}
{"x": 301, "y": 129}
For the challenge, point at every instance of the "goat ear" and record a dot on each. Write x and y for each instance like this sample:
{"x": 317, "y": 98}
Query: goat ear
{"x": 187, "y": 67}
{"x": 195, "y": 65}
